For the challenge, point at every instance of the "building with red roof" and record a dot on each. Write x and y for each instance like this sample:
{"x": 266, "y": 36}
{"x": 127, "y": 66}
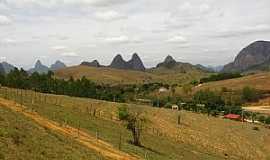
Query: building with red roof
{"x": 233, "y": 117}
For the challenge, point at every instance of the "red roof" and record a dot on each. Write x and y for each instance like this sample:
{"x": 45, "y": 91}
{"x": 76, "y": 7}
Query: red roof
{"x": 232, "y": 116}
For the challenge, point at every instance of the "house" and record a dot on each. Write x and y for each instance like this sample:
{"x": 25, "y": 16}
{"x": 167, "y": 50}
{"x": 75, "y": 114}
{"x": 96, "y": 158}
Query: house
{"x": 175, "y": 107}
{"x": 162, "y": 90}
{"x": 233, "y": 117}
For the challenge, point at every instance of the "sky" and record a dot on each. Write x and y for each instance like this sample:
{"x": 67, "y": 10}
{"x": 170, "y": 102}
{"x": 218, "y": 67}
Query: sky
{"x": 208, "y": 32}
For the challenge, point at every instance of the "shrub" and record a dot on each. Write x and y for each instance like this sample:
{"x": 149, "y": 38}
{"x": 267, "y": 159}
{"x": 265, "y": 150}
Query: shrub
{"x": 261, "y": 119}
{"x": 123, "y": 113}
{"x": 249, "y": 94}
{"x": 267, "y": 120}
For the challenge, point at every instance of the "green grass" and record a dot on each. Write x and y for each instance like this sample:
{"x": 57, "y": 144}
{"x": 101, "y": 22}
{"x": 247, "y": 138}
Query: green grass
{"x": 200, "y": 137}
{"x": 22, "y": 139}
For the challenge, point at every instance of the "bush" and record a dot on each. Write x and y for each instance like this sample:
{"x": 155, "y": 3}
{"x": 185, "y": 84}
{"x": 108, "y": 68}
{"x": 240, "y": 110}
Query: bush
{"x": 220, "y": 76}
{"x": 249, "y": 94}
{"x": 267, "y": 120}
{"x": 123, "y": 113}
{"x": 261, "y": 119}
{"x": 168, "y": 105}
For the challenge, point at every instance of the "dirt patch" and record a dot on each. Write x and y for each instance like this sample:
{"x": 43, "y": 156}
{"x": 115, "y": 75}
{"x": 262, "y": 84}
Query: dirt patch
{"x": 105, "y": 149}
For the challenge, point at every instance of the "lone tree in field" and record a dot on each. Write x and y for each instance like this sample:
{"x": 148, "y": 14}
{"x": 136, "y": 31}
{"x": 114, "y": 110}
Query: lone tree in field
{"x": 134, "y": 123}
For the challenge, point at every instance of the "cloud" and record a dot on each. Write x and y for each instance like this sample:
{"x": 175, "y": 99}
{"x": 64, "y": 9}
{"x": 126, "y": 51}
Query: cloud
{"x": 3, "y": 58}
{"x": 109, "y": 15}
{"x": 4, "y": 20}
{"x": 177, "y": 39}
{"x": 61, "y": 4}
{"x": 106, "y": 3}
{"x": 119, "y": 39}
{"x": 8, "y": 42}
{"x": 69, "y": 54}
{"x": 122, "y": 39}
{"x": 243, "y": 30}
{"x": 57, "y": 48}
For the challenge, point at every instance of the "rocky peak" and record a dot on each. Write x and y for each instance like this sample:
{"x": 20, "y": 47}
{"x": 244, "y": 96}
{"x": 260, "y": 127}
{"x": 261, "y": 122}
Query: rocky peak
{"x": 134, "y": 64}
{"x": 7, "y": 67}
{"x": 169, "y": 59}
{"x": 38, "y": 64}
{"x": 253, "y": 55}
{"x": 58, "y": 65}
{"x": 94, "y": 63}
{"x": 169, "y": 62}
{"x": 39, "y": 67}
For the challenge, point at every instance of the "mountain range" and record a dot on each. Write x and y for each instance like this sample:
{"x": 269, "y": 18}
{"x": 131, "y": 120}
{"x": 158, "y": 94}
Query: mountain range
{"x": 255, "y": 56}
{"x": 40, "y": 68}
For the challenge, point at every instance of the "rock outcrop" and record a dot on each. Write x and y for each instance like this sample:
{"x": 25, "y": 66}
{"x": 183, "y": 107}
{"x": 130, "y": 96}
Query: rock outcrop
{"x": 94, "y": 63}
{"x": 135, "y": 63}
{"x": 57, "y": 65}
{"x": 255, "y": 54}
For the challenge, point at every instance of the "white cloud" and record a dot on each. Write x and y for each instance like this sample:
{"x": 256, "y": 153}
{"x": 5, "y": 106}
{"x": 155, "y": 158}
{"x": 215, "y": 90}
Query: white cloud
{"x": 3, "y": 58}
{"x": 204, "y": 8}
{"x": 69, "y": 54}
{"x": 4, "y": 20}
{"x": 109, "y": 15}
{"x": 243, "y": 30}
{"x": 177, "y": 39}
{"x": 57, "y": 48}
{"x": 8, "y": 42}
{"x": 119, "y": 39}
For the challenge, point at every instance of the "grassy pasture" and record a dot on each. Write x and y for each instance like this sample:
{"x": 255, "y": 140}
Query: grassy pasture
{"x": 118, "y": 76}
{"x": 197, "y": 137}
{"x": 22, "y": 139}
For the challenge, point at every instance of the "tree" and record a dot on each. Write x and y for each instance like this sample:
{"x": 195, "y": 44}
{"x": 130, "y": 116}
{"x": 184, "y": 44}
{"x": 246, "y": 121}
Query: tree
{"x": 249, "y": 94}
{"x": 211, "y": 100}
{"x": 134, "y": 123}
{"x": 187, "y": 89}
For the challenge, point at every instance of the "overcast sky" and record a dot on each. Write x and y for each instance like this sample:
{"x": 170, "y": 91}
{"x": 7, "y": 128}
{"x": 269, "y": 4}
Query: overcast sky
{"x": 209, "y": 32}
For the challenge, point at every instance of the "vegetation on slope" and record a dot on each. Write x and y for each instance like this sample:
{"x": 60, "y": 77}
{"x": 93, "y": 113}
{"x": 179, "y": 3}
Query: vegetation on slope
{"x": 21, "y": 138}
{"x": 197, "y": 136}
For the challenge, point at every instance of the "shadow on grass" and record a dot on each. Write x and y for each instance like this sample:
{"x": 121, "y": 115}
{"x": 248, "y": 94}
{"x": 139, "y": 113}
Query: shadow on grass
{"x": 147, "y": 148}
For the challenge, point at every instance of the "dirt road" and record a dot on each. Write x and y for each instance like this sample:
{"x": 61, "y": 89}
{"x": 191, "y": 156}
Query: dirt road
{"x": 105, "y": 149}
{"x": 260, "y": 109}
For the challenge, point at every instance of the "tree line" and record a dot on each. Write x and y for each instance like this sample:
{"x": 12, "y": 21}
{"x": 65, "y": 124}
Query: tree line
{"x": 47, "y": 83}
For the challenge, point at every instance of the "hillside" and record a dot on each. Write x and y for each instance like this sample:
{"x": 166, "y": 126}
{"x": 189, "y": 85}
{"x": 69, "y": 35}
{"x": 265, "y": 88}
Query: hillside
{"x": 22, "y": 138}
{"x": 117, "y": 76}
{"x": 197, "y": 137}
{"x": 258, "y": 81}
{"x": 105, "y": 74}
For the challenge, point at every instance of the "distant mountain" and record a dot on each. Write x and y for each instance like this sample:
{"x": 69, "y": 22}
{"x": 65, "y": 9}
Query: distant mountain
{"x": 57, "y": 65}
{"x": 7, "y": 67}
{"x": 210, "y": 68}
{"x": 171, "y": 65}
{"x": 39, "y": 68}
{"x": 169, "y": 62}
{"x": 2, "y": 70}
{"x": 134, "y": 64}
{"x": 257, "y": 55}
{"x": 205, "y": 68}
{"x": 94, "y": 63}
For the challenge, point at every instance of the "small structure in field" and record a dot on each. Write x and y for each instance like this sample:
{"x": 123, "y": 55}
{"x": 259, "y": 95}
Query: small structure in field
{"x": 162, "y": 90}
{"x": 175, "y": 107}
{"x": 235, "y": 117}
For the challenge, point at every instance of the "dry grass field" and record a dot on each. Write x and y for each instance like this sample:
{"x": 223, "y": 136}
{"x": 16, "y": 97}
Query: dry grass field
{"x": 260, "y": 81}
{"x": 118, "y": 76}
{"x": 197, "y": 137}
